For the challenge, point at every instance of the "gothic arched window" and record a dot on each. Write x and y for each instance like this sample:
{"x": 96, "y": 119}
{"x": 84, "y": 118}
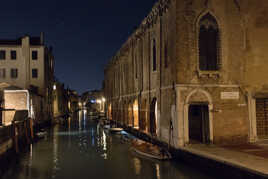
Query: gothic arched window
{"x": 154, "y": 55}
{"x": 208, "y": 43}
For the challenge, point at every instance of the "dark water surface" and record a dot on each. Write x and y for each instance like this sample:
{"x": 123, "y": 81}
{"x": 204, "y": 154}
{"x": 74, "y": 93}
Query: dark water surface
{"x": 82, "y": 150}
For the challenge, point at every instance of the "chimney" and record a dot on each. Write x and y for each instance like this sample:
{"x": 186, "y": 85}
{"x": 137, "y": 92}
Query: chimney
{"x": 42, "y": 38}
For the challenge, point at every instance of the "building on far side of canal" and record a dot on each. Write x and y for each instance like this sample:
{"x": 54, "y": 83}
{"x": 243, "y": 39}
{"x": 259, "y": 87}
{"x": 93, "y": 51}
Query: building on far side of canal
{"x": 60, "y": 100}
{"x": 28, "y": 63}
{"x": 94, "y": 101}
{"x": 73, "y": 100}
{"x": 194, "y": 71}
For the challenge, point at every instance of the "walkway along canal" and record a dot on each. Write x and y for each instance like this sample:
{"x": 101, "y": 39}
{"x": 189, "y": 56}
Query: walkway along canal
{"x": 80, "y": 149}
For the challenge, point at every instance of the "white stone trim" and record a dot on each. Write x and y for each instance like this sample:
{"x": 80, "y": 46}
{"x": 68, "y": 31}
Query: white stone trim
{"x": 179, "y": 85}
{"x": 252, "y": 118}
{"x": 186, "y": 117}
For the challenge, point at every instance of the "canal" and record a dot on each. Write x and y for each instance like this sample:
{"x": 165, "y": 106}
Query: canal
{"x": 80, "y": 149}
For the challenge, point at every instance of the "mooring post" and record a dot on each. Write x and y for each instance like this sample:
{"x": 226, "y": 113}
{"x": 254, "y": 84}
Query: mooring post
{"x": 15, "y": 136}
{"x": 26, "y": 130}
{"x": 31, "y": 128}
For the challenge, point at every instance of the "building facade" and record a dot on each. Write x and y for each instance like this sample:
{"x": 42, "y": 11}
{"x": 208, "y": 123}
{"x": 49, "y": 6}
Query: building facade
{"x": 28, "y": 64}
{"x": 194, "y": 71}
{"x": 94, "y": 101}
{"x": 60, "y": 100}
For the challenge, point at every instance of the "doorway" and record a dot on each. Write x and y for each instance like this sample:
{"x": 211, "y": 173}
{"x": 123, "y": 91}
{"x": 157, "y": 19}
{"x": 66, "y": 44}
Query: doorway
{"x": 199, "y": 123}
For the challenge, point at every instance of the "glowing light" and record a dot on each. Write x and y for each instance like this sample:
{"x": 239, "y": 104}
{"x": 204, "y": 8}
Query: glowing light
{"x": 103, "y": 99}
{"x": 99, "y": 101}
{"x": 157, "y": 171}
{"x": 54, "y": 87}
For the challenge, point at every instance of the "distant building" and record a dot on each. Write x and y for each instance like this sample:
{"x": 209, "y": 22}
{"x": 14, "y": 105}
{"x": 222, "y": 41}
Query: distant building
{"x": 73, "y": 101}
{"x": 28, "y": 64}
{"x": 94, "y": 100}
{"x": 194, "y": 71}
{"x": 60, "y": 100}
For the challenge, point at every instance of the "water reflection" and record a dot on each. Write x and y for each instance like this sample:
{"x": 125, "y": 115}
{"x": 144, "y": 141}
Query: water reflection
{"x": 81, "y": 149}
{"x": 137, "y": 165}
{"x": 157, "y": 171}
{"x": 55, "y": 152}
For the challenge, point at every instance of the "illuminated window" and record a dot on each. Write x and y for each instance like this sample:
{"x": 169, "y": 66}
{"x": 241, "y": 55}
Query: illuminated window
{"x": 208, "y": 43}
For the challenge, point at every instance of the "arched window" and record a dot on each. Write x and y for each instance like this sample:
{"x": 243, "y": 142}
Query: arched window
{"x": 136, "y": 65}
{"x": 154, "y": 55}
{"x": 166, "y": 54}
{"x": 208, "y": 43}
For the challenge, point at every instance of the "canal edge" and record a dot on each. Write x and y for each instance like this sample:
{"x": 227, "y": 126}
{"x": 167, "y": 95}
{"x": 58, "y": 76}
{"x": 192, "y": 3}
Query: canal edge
{"x": 215, "y": 166}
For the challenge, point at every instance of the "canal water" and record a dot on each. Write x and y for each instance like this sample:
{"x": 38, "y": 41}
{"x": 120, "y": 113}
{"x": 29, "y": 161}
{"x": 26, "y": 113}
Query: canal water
{"x": 80, "y": 149}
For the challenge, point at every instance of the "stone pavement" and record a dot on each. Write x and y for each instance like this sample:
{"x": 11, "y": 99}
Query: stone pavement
{"x": 259, "y": 148}
{"x": 250, "y": 157}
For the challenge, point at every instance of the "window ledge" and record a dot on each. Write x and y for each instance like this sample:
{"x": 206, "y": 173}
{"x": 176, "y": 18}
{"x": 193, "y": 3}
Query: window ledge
{"x": 208, "y": 74}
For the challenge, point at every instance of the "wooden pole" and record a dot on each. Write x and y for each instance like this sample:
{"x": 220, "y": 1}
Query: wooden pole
{"x": 26, "y": 131}
{"x": 31, "y": 128}
{"x": 15, "y": 136}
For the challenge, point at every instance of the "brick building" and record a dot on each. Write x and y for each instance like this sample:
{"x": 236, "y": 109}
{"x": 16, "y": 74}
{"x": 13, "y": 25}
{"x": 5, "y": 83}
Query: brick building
{"x": 194, "y": 71}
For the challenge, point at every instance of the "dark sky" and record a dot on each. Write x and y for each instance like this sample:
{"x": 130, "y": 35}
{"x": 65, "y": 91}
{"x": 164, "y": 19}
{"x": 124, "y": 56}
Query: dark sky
{"x": 84, "y": 33}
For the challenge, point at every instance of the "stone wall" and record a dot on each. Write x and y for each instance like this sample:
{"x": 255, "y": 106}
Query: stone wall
{"x": 229, "y": 92}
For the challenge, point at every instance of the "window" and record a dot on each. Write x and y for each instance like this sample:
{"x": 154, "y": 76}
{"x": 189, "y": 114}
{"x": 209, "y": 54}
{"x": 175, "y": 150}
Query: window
{"x": 154, "y": 55}
{"x": 2, "y": 54}
{"x": 34, "y": 73}
{"x": 208, "y": 43}
{"x": 2, "y": 73}
{"x": 13, "y": 55}
{"x": 136, "y": 66}
{"x": 34, "y": 55}
{"x": 14, "y": 73}
{"x": 166, "y": 55}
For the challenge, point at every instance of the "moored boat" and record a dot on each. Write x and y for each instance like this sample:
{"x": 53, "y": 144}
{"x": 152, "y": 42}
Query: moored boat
{"x": 115, "y": 129}
{"x": 41, "y": 135}
{"x": 149, "y": 150}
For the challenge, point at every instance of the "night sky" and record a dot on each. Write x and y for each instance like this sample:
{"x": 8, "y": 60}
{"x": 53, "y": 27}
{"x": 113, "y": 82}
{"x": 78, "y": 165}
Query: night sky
{"x": 84, "y": 34}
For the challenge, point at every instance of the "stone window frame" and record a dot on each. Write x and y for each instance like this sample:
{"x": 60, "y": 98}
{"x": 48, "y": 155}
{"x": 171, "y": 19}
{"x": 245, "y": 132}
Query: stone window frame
{"x": 166, "y": 51}
{"x": 34, "y": 54}
{"x": 13, "y": 54}
{"x": 202, "y": 73}
{"x": 2, "y": 73}
{"x": 136, "y": 66}
{"x": 34, "y": 73}
{"x": 154, "y": 54}
{"x": 14, "y": 73}
{"x": 2, "y": 54}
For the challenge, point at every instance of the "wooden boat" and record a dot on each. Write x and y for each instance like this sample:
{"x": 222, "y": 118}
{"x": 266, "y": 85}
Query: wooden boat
{"x": 115, "y": 129}
{"x": 149, "y": 150}
{"x": 41, "y": 135}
